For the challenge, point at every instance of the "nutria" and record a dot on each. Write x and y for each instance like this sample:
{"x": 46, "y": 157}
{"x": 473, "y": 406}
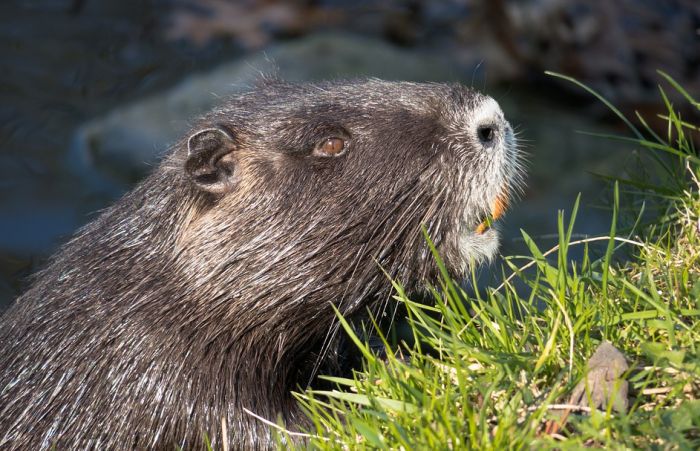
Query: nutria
{"x": 209, "y": 288}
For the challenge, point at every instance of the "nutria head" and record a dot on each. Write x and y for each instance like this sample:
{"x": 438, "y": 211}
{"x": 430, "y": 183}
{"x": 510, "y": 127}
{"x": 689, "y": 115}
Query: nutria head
{"x": 327, "y": 175}
{"x": 209, "y": 288}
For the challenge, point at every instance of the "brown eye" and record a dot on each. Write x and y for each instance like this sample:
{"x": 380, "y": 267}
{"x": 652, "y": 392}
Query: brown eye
{"x": 331, "y": 147}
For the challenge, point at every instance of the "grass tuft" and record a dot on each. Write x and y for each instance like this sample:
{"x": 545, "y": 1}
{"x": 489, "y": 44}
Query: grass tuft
{"x": 496, "y": 371}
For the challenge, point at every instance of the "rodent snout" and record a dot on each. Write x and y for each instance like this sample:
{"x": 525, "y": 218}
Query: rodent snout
{"x": 487, "y": 133}
{"x": 489, "y": 123}
{"x": 490, "y": 131}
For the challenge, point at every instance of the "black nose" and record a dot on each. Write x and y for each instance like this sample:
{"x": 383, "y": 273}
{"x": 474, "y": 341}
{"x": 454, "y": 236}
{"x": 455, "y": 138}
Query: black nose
{"x": 486, "y": 133}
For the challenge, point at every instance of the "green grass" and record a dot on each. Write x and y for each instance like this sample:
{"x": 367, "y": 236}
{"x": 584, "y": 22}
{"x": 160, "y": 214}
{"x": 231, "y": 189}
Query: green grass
{"x": 494, "y": 372}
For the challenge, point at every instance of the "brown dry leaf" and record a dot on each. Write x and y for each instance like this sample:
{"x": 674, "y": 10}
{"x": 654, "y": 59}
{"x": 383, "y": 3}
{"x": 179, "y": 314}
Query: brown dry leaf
{"x": 250, "y": 22}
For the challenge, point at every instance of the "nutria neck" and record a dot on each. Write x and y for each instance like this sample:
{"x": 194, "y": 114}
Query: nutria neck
{"x": 203, "y": 346}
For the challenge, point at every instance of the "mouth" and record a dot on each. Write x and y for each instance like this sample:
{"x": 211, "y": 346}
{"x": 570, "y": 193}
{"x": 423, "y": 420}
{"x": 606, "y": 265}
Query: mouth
{"x": 499, "y": 207}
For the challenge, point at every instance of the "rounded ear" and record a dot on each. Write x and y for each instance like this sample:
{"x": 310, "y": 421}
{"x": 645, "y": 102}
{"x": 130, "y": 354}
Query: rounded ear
{"x": 210, "y": 164}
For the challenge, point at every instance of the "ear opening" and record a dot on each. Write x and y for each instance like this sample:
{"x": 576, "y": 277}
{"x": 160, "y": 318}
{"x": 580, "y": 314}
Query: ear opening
{"x": 210, "y": 163}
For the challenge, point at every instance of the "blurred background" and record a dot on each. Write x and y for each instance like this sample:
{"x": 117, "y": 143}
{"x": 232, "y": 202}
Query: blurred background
{"x": 93, "y": 91}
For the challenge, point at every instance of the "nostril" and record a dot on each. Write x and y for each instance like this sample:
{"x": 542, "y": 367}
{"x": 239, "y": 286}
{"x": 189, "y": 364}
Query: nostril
{"x": 486, "y": 133}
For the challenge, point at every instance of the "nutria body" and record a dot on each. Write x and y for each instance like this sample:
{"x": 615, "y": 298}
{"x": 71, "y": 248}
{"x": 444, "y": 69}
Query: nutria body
{"x": 208, "y": 288}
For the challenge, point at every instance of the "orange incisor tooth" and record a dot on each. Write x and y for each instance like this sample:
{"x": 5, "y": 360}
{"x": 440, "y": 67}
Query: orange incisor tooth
{"x": 500, "y": 205}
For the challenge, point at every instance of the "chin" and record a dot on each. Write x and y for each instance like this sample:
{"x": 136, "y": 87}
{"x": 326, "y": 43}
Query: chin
{"x": 476, "y": 248}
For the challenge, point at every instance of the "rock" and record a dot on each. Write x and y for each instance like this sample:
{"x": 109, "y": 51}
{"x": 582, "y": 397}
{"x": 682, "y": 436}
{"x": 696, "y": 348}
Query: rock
{"x": 604, "y": 382}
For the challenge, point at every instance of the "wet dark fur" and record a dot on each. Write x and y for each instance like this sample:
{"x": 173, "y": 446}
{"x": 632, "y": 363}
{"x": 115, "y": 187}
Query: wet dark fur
{"x": 177, "y": 308}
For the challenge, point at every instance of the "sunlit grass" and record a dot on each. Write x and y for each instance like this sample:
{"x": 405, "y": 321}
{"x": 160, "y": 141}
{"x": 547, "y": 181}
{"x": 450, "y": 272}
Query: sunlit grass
{"x": 495, "y": 372}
